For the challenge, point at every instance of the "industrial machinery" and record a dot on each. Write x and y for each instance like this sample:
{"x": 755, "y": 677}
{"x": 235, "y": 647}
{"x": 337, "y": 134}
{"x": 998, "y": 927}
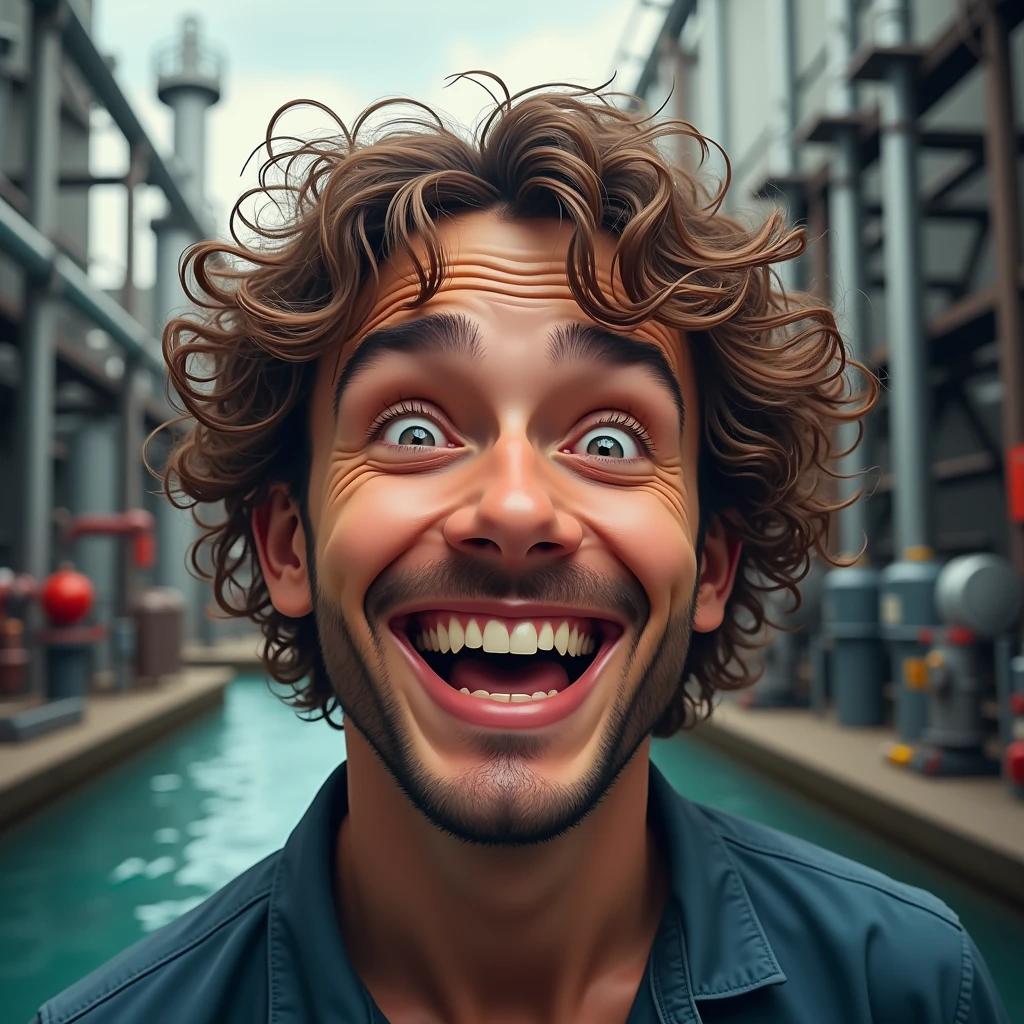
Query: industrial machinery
{"x": 978, "y": 598}
{"x": 853, "y": 672}
{"x": 908, "y": 618}
{"x": 67, "y": 598}
{"x": 16, "y": 591}
{"x": 1012, "y": 722}
{"x": 148, "y": 633}
{"x": 786, "y": 658}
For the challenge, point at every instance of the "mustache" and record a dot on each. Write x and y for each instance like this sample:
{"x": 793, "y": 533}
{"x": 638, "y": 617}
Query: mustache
{"x": 464, "y": 578}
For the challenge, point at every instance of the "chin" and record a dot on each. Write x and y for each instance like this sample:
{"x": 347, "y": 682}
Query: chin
{"x": 474, "y": 736}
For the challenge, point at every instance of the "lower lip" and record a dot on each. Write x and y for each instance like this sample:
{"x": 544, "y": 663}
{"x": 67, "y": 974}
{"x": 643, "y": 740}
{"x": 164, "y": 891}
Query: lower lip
{"x": 486, "y": 713}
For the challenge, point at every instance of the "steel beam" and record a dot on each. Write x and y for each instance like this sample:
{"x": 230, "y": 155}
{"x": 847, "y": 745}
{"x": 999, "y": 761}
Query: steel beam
{"x": 80, "y": 47}
{"x": 1001, "y": 153}
{"x": 43, "y": 262}
{"x": 36, "y": 394}
{"x": 675, "y": 19}
{"x": 907, "y": 599}
{"x": 782, "y": 150}
{"x": 908, "y": 356}
{"x": 846, "y": 215}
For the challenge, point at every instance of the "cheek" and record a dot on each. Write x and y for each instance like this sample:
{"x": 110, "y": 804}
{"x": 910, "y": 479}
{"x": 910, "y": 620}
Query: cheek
{"x": 370, "y": 519}
{"x": 651, "y": 529}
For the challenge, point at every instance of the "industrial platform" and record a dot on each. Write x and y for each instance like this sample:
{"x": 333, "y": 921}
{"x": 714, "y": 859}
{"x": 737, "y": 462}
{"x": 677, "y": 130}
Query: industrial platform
{"x": 971, "y": 827}
{"x": 41, "y": 770}
{"x": 239, "y": 653}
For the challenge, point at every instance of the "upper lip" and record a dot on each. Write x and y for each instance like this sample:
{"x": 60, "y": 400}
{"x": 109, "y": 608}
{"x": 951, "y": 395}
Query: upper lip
{"x": 507, "y": 610}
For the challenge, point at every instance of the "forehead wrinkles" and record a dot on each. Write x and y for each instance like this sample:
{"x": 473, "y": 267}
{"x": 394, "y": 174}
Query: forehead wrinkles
{"x": 514, "y": 281}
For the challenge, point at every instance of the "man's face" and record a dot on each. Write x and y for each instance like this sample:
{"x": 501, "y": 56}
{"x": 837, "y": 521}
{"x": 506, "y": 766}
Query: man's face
{"x": 504, "y": 510}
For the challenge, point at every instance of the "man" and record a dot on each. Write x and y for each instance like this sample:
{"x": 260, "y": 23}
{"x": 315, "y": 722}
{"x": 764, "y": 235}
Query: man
{"x": 504, "y": 431}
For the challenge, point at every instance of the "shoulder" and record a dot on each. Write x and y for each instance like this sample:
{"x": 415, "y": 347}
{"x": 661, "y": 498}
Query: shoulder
{"x": 766, "y": 853}
{"x": 903, "y": 947}
{"x": 191, "y": 970}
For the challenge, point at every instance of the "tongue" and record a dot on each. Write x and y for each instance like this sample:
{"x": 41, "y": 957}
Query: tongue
{"x": 483, "y": 674}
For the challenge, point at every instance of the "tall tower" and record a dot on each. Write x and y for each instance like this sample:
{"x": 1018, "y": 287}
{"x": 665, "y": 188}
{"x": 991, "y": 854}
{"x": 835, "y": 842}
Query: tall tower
{"x": 189, "y": 79}
{"x": 189, "y": 82}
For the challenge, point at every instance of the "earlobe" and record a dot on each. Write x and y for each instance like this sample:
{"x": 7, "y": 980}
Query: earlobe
{"x": 281, "y": 547}
{"x": 719, "y": 562}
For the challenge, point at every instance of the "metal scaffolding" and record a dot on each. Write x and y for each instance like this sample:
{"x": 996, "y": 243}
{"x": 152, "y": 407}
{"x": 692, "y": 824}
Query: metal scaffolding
{"x": 873, "y": 97}
{"x": 53, "y": 278}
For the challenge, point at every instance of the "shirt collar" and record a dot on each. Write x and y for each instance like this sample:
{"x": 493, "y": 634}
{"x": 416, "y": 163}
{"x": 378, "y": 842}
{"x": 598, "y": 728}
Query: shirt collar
{"x": 725, "y": 951}
{"x": 710, "y": 944}
{"x": 311, "y": 978}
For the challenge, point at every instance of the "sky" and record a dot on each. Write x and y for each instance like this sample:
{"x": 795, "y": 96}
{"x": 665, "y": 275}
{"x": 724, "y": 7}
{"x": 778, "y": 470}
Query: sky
{"x": 345, "y": 53}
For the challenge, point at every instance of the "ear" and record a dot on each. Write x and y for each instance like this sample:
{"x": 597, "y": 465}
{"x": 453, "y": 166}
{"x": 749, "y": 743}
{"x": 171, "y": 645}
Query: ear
{"x": 719, "y": 561}
{"x": 281, "y": 547}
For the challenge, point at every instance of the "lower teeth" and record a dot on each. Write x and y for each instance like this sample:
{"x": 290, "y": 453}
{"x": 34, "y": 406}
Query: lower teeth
{"x": 506, "y": 698}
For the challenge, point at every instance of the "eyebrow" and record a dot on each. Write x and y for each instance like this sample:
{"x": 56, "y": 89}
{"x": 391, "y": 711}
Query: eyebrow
{"x": 455, "y": 333}
{"x": 590, "y": 343}
{"x": 439, "y": 332}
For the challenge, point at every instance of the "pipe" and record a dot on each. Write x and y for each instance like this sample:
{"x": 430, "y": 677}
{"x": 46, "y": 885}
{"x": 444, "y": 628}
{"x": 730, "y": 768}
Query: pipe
{"x": 783, "y": 151}
{"x": 675, "y": 18}
{"x": 907, "y": 600}
{"x": 42, "y": 261}
{"x": 34, "y": 446}
{"x": 36, "y": 394}
{"x": 81, "y": 48}
{"x": 716, "y": 85}
{"x": 847, "y": 216}
{"x": 782, "y": 44}
{"x": 909, "y": 408}
{"x": 8, "y": 37}
{"x": 1001, "y": 158}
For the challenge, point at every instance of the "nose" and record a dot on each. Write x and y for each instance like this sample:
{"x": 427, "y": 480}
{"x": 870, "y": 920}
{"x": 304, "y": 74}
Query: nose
{"x": 513, "y": 518}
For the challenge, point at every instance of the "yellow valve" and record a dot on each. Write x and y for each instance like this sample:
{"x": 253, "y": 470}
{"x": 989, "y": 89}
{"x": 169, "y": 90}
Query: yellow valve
{"x": 915, "y": 673}
{"x": 934, "y": 660}
{"x": 901, "y": 754}
{"x": 918, "y": 553}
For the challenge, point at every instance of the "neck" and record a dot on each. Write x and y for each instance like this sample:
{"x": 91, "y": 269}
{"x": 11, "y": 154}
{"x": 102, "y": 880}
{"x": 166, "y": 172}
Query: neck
{"x": 436, "y": 924}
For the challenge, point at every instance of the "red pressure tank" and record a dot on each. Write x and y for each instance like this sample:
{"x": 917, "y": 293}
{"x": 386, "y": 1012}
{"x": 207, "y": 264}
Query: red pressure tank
{"x": 67, "y": 596}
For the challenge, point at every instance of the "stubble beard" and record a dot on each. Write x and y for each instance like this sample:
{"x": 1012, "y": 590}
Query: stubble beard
{"x": 502, "y": 801}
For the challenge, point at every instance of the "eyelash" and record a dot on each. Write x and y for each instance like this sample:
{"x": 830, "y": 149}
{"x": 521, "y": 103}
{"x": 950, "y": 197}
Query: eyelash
{"x": 412, "y": 407}
{"x": 403, "y": 408}
{"x": 629, "y": 422}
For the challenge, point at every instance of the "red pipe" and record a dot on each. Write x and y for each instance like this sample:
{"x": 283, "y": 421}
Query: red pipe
{"x": 135, "y": 523}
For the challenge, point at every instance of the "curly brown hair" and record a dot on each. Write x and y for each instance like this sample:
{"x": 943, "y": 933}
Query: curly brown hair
{"x": 771, "y": 366}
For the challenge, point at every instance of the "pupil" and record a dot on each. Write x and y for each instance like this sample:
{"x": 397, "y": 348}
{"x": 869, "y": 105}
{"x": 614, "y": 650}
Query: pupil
{"x": 416, "y": 435}
{"x": 606, "y": 446}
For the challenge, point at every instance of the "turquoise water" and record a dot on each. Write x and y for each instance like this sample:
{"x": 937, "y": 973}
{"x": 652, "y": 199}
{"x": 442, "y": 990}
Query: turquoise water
{"x": 143, "y": 844}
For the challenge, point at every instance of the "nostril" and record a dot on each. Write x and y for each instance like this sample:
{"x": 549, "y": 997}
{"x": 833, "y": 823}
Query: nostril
{"x": 545, "y": 547}
{"x": 481, "y": 544}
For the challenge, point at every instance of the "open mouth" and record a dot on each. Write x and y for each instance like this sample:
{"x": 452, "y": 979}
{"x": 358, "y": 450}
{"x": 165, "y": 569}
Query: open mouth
{"x": 506, "y": 660}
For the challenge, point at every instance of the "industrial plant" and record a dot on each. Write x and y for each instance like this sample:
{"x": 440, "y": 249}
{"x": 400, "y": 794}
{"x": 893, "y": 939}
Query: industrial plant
{"x": 891, "y": 131}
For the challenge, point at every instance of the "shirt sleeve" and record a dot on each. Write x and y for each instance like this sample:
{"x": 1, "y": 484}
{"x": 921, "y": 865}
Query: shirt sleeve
{"x": 979, "y": 1001}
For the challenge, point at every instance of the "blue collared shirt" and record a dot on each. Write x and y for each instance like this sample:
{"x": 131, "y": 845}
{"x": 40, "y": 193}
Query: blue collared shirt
{"x": 760, "y": 927}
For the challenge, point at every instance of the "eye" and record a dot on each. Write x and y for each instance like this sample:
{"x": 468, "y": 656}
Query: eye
{"x": 414, "y": 432}
{"x": 609, "y": 443}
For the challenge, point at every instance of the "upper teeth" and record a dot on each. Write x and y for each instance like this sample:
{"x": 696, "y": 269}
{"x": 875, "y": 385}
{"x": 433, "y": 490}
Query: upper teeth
{"x": 494, "y": 638}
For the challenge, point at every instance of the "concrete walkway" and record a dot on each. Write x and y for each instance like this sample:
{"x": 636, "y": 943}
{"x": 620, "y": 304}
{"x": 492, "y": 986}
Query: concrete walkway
{"x": 239, "y": 653}
{"x": 972, "y": 827}
{"x": 38, "y": 771}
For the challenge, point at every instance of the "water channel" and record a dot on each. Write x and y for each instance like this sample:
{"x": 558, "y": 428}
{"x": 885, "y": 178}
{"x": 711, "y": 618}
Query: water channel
{"x": 141, "y": 845}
